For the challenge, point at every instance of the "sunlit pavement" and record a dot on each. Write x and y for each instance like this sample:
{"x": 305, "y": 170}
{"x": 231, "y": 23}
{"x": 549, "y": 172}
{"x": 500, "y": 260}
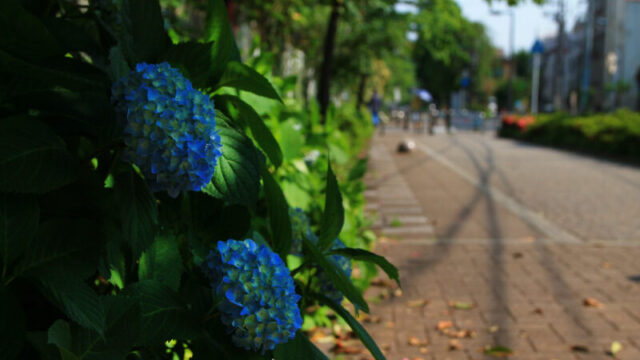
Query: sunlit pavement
{"x": 503, "y": 246}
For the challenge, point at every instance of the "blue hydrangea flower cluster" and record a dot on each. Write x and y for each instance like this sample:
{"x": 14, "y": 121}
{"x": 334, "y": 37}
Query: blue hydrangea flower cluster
{"x": 169, "y": 128}
{"x": 342, "y": 263}
{"x": 259, "y": 304}
{"x": 300, "y": 229}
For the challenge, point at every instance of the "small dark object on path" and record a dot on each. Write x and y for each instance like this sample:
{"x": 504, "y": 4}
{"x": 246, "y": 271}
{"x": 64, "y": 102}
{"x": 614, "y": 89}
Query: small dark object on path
{"x": 406, "y": 146}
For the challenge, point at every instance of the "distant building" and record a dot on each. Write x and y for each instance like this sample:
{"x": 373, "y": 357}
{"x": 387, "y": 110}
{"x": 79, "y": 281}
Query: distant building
{"x": 614, "y": 58}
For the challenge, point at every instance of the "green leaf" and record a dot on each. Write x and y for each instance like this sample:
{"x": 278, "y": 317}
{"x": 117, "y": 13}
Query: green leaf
{"x": 333, "y": 217}
{"x": 118, "y": 63}
{"x": 122, "y": 330}
{"x": 242, "y": 77}
{"x": 193, "y": 59}
{"x": 12, "y": 325}
{"x": 337, "y": 277}
{"x": 143, "y": 20}
{"x": 138, "y": 210}
{"x": 164, "y": 314}
{"x": 615, "y": 348}
{"x": 236, "y": 178}
{"x": 278, "y": 215}
{"x": 499, "y": 351}
{"x": 263, "y": 135}
{"x": 291, "y": 139}
{"x": 23, "y": 34}
{"x": 33, "y": 159}
{"x": 19, "y": 217}
{"x": 358, "y": 329}
{"x": 364, "y": 255}
{"x": 298, "y": 348}
{"x": 217, "y": 29}
{"x": 358, "y": 170}
{"x": 162, "y": 262}
{"x": 76, "y": 299}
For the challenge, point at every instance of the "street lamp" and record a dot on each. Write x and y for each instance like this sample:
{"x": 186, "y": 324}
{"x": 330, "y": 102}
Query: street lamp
{"x": 512, "y": 66}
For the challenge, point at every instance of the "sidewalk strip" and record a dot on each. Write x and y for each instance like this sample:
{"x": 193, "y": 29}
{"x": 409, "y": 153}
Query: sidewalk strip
{"x": 529, "y": 216}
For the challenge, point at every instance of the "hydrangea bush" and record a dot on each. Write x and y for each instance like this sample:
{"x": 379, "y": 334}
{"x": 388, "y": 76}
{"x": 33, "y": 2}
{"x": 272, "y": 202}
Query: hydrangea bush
{"x": 126, "y": 172}
{"x": 169, "y": 128}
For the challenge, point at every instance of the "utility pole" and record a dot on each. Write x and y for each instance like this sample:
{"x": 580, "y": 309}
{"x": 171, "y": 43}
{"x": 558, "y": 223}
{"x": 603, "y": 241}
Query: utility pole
{"x": 588, "y": 49}
{"x": 560, "y": 57}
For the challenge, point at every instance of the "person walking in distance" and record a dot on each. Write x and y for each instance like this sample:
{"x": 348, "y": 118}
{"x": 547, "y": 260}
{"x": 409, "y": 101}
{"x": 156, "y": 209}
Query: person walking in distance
{"x": 375, "y": 104}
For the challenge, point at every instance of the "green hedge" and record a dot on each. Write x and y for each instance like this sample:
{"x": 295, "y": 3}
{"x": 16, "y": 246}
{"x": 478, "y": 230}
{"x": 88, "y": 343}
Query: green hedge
{"x": 613, "y": 134}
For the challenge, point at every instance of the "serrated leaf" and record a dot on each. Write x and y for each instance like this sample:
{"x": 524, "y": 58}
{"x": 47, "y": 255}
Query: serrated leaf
{"x": 333, "y": 217}
{"x": 341, "y": 282}
{"x": 194, "y": 61}
{"x": 162, "y": 262}
{"x": 242, "y": 77}
{"x": 217, "y": 29}
{"x": 33, "y": 159}
{"x": 358, "y": 329}
{"x": 138, "y": 210}
{"x": 143, "y": 20}
{"x": 122, "y": 330}
{"x": 278, "y": 215}
{"x": 263, "y": 135}
{"x": 236, "y": 178}
{"x": 12, "y": 325}
{"x": 76, "y": 299}
{"x": 298, "y": 348}
{"x": 19, "y": 217}
{"x": 23, "y": 34}
{"x": 364, "y": 255}
{"x": 163, "y": 313}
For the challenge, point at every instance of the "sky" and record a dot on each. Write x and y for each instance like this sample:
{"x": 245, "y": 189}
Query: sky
{"x": 531, "y": 21}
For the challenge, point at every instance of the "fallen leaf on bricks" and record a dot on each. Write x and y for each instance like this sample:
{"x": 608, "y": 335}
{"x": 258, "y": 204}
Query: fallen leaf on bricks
{"x": 445, "y": 324}
{"x": 606, "y": 265}
{"x": 341, "y": 348}
{"x": 591, "y": 302}
{"x": 499, "y": 351}
{"x": 538, "y": 311}
{"x": 424, "y": 350}
{"x": 579, "y": 348}
{"x": 517, "y": 255}
{"x": 397, "y": 293}
{"x": 417, "y": 303}
{"x": 454, "y": 345}
{"x": 414, "y": 341}
{"x": 615, "y": 348}
{"x": 390, "y": 324}
{"x": 462, "y": 334}
{"x": 494, "y": 328}
{"x": 461, "y": 305}
{"x": 385, "y": 347}
{"x": 373, "y": 319}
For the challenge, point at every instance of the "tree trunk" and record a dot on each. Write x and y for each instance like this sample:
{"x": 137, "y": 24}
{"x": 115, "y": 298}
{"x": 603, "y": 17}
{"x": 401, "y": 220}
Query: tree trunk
{"x": 327, "y": 60}
{"x": 361, "y": 87}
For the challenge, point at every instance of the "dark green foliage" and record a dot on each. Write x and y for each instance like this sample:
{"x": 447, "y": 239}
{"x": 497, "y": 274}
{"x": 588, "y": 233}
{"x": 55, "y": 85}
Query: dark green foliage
{"x": 95, "y": 265}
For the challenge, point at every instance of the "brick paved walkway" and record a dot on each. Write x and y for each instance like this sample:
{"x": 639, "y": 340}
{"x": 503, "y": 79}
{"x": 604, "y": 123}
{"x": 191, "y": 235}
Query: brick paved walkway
{"x": 461, "y": 243}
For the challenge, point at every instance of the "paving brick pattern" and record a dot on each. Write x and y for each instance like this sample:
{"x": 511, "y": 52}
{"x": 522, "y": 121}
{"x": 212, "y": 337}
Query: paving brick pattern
{"x": 454, "y": 244}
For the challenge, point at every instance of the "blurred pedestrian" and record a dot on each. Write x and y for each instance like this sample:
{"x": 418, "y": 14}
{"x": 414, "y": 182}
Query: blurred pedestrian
{"x": 375, "y": 104}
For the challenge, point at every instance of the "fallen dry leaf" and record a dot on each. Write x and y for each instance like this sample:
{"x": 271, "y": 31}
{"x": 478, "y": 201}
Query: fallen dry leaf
{"x": 397, "y": 293}
{"x": 385, "y": 347}
{"x": 454, "y": 345}
{"x": 538, "y": 311}
{"x": 615, "y": 348}
{"x": 390, "y": 324}
{"x": 424, "y": 350}
{"x": 606, "y": 265}
{"x": 461, "y": 305}
{"x": 579, "y": 348}
{"x": 517, "y": 255}
{"x": 462, "y": 334}
{"x": 417, "y": 303}
{"x": 414, "y": 341}
{"x": 342, "y": 348}
{"x": 373, "y": 319}
{"x": 591, "y": 302}
{"x": 444, "y": 324}
{"x": 494, "y": 328}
